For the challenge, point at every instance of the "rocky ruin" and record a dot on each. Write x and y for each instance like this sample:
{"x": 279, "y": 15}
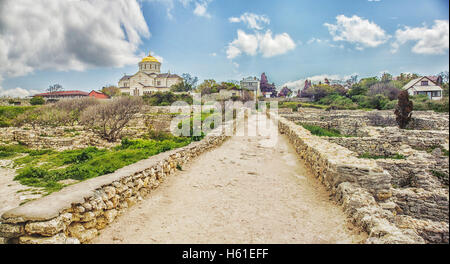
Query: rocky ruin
{"x": 404, "y": 199}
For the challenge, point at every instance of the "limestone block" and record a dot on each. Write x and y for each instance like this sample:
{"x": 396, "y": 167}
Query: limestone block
{"x": 115, "y": 200}
{"x": 110, "y": 192}
{"x": 87, "y": 206}
{"x": 131, "y": 201}
{"x": 128, "y": 193}
{"x": 56, "y": 239}
{"x": 78, "y": 231}
{"x": 101, "y": 223}
{"x": 88, "y": 216}
{"x": 109, "y": 205}
{"x": 110, "y": 215}
{"x": 11, "y": 230}
{"x": 79, "y": 209}
{"x": 90, "y": 224}
{"x": 47, "y": 228}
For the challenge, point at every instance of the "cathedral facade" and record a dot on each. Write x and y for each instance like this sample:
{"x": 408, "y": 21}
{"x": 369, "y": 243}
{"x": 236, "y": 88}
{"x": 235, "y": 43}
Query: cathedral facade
{"x": 148, "y": 79}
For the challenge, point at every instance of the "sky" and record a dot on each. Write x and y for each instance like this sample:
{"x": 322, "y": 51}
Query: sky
{"x": 87, "y": 44}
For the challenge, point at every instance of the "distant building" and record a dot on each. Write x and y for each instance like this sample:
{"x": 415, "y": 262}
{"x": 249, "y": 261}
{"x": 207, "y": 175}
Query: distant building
{"x": 252, "y": 84}
{"x": 98, "y": 95}
{"x": 424, "y": 85}
{"x": 62, "y": 94}
{"x": 148, "y": 79}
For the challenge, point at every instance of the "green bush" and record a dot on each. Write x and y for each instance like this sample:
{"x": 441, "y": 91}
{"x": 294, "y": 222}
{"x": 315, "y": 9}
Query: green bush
{"x": 37, "y": 100}
{"x": 166, "y": 98}
{"x": 323, "y": 132}
{"x": 338, "y": 101}
{"x": 9, "y": 113}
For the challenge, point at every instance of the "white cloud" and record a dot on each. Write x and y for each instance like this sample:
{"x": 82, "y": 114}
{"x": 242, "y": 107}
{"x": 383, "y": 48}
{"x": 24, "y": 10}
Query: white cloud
{"x": 201, "y": 9}
{"x": 300, "y": 84}
{"x": 252, "y": 21}
{"x": 356, "y": 30}
{"x": 432, "y": 40}
{"x": 17, "y": 92}
{"x": 69, "y": 35}
{"x": 247, "y": 43}
{"x": 278, "y": 45}
{"x": 265, "y": 44}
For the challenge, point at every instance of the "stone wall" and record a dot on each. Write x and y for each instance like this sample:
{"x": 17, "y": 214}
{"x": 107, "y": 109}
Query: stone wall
{"x": 76, "y": 213}
{"x": 362, "y": 187}
{"x": 419, "y": 183}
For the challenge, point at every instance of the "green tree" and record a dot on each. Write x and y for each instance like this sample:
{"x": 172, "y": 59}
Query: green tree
{"x": 208, "y": 87}
{"x": 386, "y": 77}
{"x": 111, "y": 90}
{"x": 188, "y": 84}
{"x": 37, "y": 100}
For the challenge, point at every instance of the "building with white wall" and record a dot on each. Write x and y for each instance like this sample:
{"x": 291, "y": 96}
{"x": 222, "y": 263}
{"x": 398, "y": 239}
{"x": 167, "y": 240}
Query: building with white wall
{"x": 148, "y": 79}
{"x": 424, "y": 85}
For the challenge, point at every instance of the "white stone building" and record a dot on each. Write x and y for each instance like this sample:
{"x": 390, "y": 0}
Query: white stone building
{"x": 252, "y": 84}
{"x": 424, "y": 85}
{"x": 148, "y": 79}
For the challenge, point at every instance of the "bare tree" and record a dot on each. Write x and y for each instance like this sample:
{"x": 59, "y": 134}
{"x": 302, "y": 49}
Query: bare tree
{"x": 55, "y": 88}
{"x": 107, "y": 119}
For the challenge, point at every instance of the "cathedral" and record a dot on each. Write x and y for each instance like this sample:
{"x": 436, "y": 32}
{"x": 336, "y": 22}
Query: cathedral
{"x": 148, "y": 79}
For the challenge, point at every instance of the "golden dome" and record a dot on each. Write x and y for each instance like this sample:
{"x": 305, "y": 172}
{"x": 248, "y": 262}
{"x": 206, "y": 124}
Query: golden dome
{"x": 149, "y": 58}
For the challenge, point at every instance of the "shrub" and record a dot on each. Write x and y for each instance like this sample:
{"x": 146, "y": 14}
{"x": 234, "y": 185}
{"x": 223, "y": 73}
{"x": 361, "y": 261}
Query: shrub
{"x": 107, "y": 119}
{"x": 370, "y": 156}
{"x": 37, "y": 100}
{"x": 403, "y": 111}
{"x": 9, "y": 113}
{"x": 323, "y": 132}
{"x": 338, "y": 101}
{"x": 388, "y": 89}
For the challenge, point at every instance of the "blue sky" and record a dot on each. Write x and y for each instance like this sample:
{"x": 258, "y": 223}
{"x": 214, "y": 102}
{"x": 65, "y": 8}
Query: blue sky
{"x": 84, "y": 48}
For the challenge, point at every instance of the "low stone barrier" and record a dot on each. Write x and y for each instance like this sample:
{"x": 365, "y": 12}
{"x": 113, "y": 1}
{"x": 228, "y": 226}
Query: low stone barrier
{"x": 76, "y": 213}
{"x": 360, "y": 185}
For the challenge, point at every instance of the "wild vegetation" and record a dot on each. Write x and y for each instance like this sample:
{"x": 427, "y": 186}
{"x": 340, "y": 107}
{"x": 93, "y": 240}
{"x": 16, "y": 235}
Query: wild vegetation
{"x": 374, "y": 93}
{"x": 9, "y": 113}
{"x": 323, "y": 132}
{"x": 46, "y": 168}
{"x": 107, "y": 119}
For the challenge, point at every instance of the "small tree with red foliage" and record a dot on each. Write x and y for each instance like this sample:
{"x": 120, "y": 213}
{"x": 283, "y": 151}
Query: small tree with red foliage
{"x": 403, "y": 111}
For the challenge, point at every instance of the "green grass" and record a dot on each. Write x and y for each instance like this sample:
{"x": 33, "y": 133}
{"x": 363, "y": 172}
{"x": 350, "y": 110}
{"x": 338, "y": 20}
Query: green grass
{"x": 202, "y": 118}
{"x": 46, "y": 167}
{"x": 440, "y": 175}
{"x": 9, "y": 113}
{"x": 369, "y": 156}
{"x": 323, "y": 132}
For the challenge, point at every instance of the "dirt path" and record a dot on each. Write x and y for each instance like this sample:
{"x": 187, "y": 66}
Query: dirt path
{"x": 249, "y": 190}
{"x": 12, "y": 193}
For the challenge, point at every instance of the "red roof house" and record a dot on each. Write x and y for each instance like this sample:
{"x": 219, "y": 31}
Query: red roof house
{"x": 98, "y": 95}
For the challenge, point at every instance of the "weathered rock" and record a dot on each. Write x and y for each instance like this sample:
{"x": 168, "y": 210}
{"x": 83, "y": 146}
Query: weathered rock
{"x": 11, "y": 230}
{"x": 56, "y": 239}
{"x": 48, "y": 228}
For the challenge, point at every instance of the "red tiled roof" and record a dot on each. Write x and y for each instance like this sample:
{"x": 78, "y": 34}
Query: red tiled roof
{"x": 98, "y": 95}
{"x": 63, "y": 93}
